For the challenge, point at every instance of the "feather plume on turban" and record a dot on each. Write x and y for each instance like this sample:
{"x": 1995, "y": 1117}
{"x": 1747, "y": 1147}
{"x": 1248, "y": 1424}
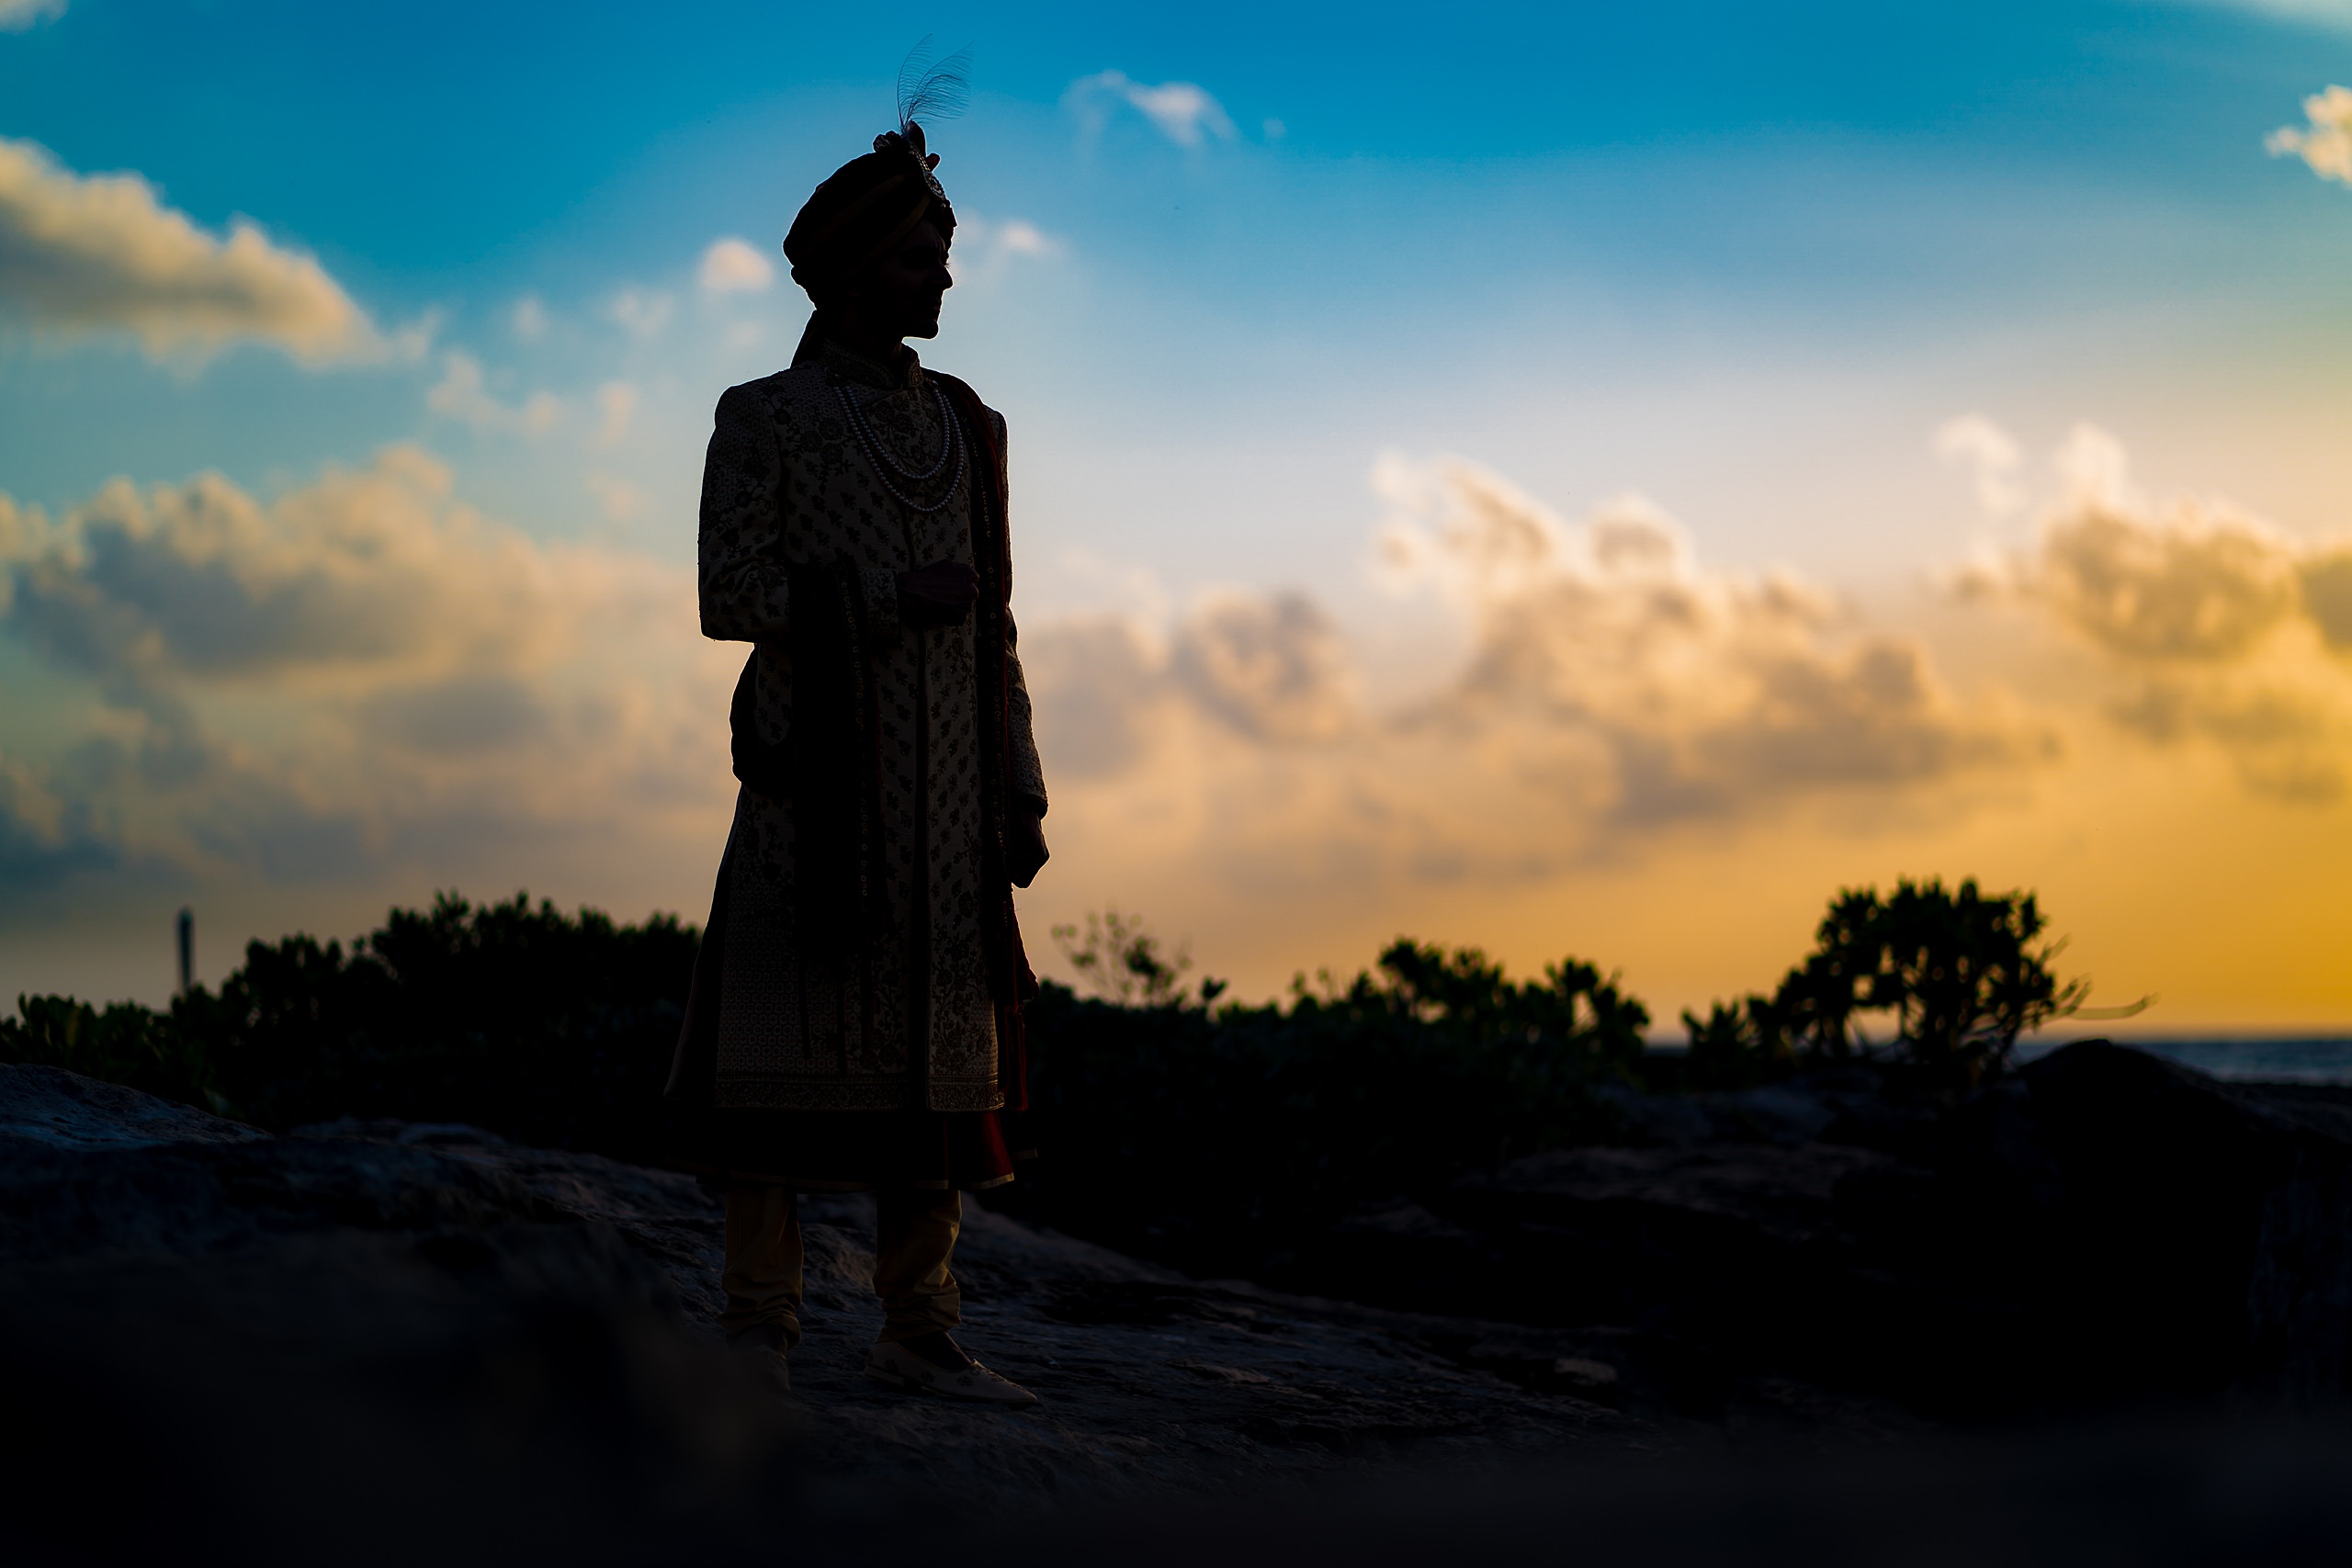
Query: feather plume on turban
{"x": 871, "y": 203}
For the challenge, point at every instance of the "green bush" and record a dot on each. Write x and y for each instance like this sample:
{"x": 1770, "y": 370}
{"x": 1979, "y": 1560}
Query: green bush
{"x": 123, "y": 1043}
{"x": 1205, "y": 1132}
{"x": 548, "y": 1027}
{"x": 1212, "y": 1136}
{"x": 1955, "y": 975}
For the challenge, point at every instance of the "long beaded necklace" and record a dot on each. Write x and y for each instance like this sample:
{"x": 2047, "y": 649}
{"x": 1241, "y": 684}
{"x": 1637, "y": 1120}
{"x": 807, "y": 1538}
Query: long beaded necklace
{"x": 886, "y": 466}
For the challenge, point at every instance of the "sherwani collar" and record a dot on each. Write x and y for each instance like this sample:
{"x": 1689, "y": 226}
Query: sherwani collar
{"x": 817, "y": 347}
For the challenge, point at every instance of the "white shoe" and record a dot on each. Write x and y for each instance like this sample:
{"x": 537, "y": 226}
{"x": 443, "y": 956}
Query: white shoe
{"x": 901, "y": 1368}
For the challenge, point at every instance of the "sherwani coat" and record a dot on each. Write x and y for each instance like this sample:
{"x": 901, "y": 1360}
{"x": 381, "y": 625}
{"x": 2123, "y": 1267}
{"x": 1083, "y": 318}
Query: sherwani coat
{"x": 901, "y": 1015}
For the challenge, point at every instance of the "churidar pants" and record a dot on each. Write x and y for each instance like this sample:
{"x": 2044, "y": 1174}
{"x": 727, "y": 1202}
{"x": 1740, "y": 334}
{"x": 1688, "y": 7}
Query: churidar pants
{"x": 915, "y": 1231}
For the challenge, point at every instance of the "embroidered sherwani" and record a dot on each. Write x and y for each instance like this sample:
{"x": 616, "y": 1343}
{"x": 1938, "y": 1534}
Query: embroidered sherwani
{"x": 903, "y": 1015}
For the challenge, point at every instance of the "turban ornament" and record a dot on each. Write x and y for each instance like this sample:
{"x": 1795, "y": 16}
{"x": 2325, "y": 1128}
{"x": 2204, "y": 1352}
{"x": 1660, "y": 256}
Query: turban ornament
{"x": 872, "y": 203}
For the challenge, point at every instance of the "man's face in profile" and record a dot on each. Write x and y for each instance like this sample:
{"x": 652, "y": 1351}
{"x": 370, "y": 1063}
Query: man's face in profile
{"x": 902, "y": 293}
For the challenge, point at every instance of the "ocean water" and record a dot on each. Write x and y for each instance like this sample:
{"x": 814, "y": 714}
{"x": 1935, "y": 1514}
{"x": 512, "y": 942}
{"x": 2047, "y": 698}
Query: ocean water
{"x": 2324, "y": 1058}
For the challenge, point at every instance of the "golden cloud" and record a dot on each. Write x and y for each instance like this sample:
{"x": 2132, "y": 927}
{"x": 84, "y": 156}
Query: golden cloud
{"x": 732, "y": 266}
{"x": 1692, "y": 692}
{"x": 364, "y": 684}
{"x": 359, "y": 673}
{"x": 1275, "y": 668}
{"x": 1611, "y": 689}
{"x": 96, "y": 253}
{"x": 2192, "y": 584}
{"x": 2326, "y": 144}
{"x": 2219, "y": 625}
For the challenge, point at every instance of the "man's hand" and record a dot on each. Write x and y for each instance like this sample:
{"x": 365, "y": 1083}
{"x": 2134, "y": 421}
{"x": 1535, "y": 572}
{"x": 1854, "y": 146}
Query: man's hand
{"x": 1024, "y": 844}
{"x": 940, "y": 595}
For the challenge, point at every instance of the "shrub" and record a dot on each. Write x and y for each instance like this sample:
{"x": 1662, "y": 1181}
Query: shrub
{"x": 1208, "y": 1133}
{"x": 544, "y": 1027}
{"x": 1118, "y": 959}
{"x": 1956, "y": 974}
{"x": 123, "y": 1043}
{"x": 1212, "y": 1136}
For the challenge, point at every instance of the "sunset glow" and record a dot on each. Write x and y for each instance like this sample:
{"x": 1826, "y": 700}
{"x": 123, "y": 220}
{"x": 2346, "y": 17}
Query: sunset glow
{"x": 1585, "y": 483}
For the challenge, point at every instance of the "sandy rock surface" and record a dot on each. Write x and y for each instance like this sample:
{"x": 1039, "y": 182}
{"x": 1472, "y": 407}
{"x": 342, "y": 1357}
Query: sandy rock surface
{"x": 1151, "y": 1381}
{"x": 399, "y": 1343}
{"x": 355, "y": 1282}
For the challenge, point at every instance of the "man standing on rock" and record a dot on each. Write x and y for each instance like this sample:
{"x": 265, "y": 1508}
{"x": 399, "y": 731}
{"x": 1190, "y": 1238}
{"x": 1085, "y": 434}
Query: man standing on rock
{"x": 854, "y": 1022}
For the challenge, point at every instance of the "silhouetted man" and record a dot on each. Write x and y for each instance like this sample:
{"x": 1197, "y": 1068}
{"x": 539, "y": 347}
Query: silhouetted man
{"x": 854, "y": 1022}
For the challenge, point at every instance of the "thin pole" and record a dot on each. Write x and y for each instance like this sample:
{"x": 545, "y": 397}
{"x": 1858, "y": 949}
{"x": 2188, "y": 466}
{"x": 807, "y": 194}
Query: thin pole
{"x": 187, "y": 951}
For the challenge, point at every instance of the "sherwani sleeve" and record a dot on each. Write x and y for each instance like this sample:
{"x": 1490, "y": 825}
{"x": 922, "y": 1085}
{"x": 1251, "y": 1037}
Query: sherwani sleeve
{"x": 745, "y": 578}
{"x": 1028, "y": 769}
{"x": 745, "y": 583}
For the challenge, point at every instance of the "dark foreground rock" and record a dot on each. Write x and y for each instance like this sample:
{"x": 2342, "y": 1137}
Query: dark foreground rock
{"x": 398, "y": 1343}
{"x": 203, "y": 1321}
{"x": 2102, "y": 1227}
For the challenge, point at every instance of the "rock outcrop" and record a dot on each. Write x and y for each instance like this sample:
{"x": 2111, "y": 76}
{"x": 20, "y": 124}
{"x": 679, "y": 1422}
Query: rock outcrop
{"x": 2102, "y": 1225}
{"x": 200, "y": 1321}
{"x": 398, "y": 1342}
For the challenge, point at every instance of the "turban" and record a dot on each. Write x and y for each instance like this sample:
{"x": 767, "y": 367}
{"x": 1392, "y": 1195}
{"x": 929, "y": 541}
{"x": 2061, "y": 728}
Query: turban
{"x": 869, "y": 205}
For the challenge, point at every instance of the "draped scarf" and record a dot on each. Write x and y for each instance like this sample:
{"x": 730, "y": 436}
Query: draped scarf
{"x": 1011, "y": 980}
{"x": 829, "y": 766}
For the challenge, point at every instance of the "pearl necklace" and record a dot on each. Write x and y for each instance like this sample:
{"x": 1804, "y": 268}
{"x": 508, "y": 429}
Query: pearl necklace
{"x": 885, "y": 465}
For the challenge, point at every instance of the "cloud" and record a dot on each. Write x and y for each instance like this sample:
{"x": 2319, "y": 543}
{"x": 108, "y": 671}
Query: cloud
{"x": 1185, "y": 112}
{"x": 1670, "y": 692}
{"x": 200, "y": 580}
{"x": 48, "y": 835}
{"x": 1097, "y": 687}
{"x": 2288, "y": 740}
{"x": 732, "y": 266}
{"x": 2219, "y": 625}
{"x": 362, "y": 685}
{"x": 621, "y": 500}
{"x": 82, "y": 254}
{"x": 529, "y": 322}
{"x": 1992, "y": 452}
{"x": 993, "y": 243}
{"x": 2327, "y": 597}
{"x": 1266, "y": 669}
{"x": 359, "y": 675}
{"x": 1611, "y": 691}
{"x": 644, "y": 312}
{"x": 461, "y": 715}
{"x": 1019, "y": 237}
{"x": 460, "y": 395}
{"x": 2193, "y": 584}
{"x": 2323, "y": 13}
{"x": 1005, "y": 238}
{"x": 16, "y": 16}
{"x": 615, "y": 408}
{"x": 1273, "y": 668}
{"x": 1622, "y": 749}
{"x": 2183, "y": 582}
{"x": 2327, "y": 146}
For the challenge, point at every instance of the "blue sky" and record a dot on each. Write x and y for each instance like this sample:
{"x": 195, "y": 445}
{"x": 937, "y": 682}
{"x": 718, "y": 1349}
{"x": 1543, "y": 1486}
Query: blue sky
{"x": 1743, "y": 262}
{"x": 1453, "y": 211}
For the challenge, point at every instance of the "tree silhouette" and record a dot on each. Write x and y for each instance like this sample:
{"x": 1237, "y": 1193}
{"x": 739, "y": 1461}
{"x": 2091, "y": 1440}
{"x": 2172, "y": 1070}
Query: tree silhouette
{"x": 1957, "y": 974}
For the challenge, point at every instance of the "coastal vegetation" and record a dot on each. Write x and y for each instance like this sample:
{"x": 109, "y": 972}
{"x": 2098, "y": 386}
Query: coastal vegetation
{"x": 1174, "y": 1120}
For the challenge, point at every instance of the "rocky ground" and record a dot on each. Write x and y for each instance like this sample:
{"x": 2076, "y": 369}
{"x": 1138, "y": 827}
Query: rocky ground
{"x": 390, "y": 1341}
{"x": 1152, "y": 1382}
{"x": 2101, "y": 1227}
{"x": 434, "y": 1304}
